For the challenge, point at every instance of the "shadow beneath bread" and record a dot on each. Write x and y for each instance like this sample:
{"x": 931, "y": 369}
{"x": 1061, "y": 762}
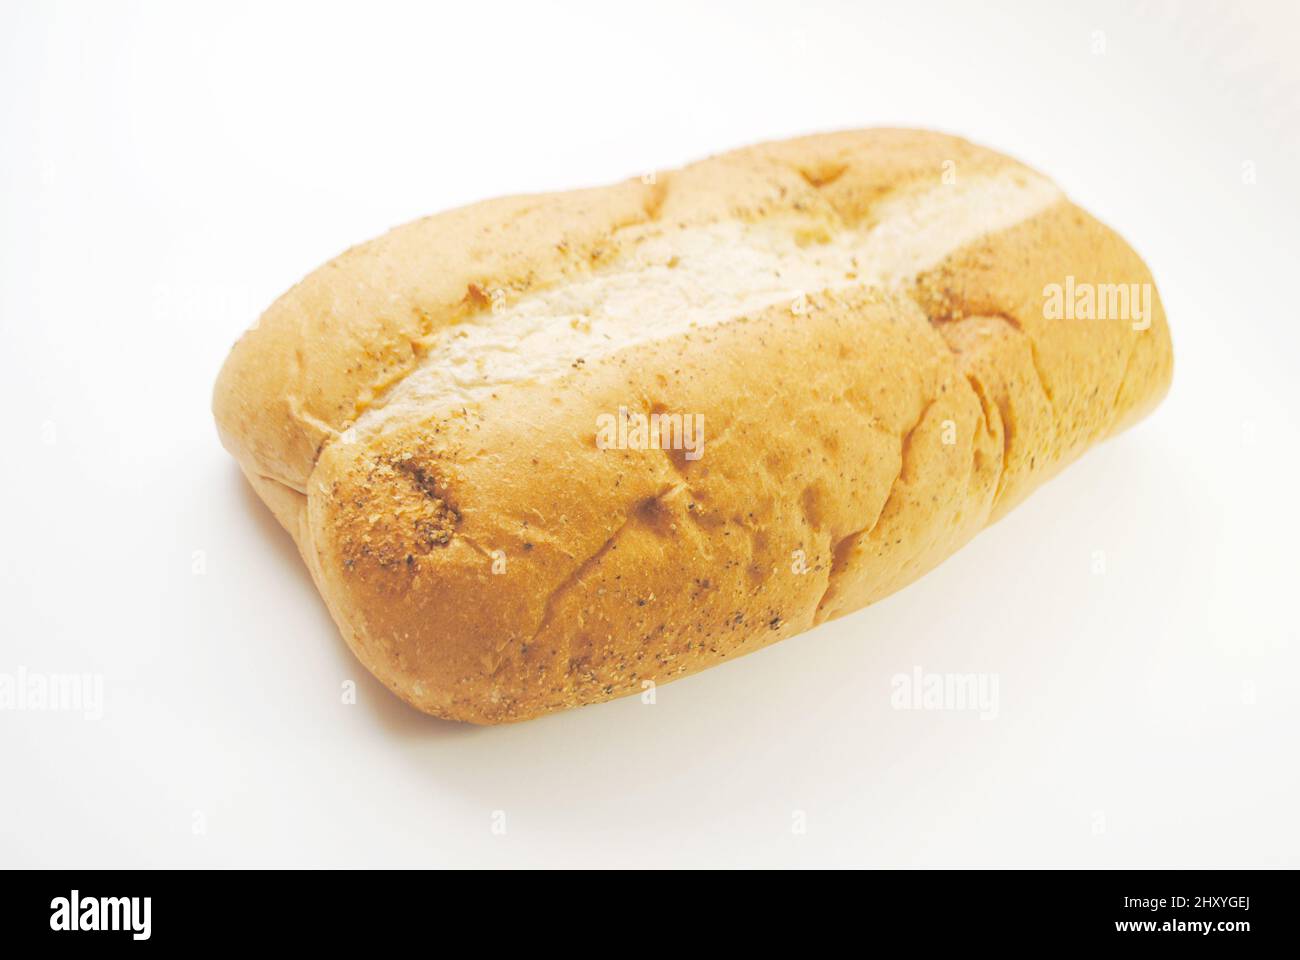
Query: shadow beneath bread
{"x": 395, "y": 714}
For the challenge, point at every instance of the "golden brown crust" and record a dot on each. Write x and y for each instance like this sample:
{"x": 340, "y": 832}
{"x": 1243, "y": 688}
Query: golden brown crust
{"x": 490, "y": 563}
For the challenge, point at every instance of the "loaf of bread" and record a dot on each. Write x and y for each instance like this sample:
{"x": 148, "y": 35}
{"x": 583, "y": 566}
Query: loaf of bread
{"x": 546, "y": 451}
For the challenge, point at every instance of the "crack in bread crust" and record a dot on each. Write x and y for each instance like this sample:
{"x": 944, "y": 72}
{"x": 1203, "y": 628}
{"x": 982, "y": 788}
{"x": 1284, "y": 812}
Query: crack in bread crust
{"x": 842, "y": 548}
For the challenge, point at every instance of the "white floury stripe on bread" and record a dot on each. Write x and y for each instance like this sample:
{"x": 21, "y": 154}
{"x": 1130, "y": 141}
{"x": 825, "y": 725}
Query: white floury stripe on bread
{"x": 670, "y": 281}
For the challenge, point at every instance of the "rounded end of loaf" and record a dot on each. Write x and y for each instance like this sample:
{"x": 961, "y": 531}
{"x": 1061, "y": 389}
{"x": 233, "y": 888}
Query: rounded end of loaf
{"x": 256, "y": 409}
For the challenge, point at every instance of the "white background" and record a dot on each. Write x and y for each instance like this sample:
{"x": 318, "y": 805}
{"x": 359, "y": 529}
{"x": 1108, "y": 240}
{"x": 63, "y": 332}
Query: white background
{"x": 167, "y": 170}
